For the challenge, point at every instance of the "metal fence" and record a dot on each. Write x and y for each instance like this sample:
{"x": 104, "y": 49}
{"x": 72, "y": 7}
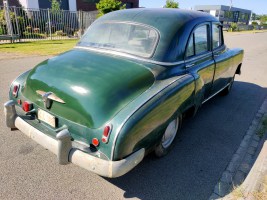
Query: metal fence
{"x": 243, "y": 27}
{"x": 19, "y": 24}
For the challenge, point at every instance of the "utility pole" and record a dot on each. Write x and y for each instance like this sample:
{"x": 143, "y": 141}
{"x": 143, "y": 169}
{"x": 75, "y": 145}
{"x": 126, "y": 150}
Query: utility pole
{"x": 8, "y": 20}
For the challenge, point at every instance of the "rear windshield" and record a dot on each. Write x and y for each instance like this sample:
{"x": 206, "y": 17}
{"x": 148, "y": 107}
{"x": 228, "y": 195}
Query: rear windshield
{"x": 134, "y": 39}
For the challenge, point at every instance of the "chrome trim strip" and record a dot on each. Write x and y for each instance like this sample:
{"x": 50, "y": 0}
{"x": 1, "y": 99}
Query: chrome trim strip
{"x": 215, "y": 94}
{"x": 49, "y": 95}
{"x": 115, "y": 53}
{"x": 199, "y": 57}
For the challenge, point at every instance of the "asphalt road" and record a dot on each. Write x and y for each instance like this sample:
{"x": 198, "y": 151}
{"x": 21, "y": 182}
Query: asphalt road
{"x": 204, "y": 148}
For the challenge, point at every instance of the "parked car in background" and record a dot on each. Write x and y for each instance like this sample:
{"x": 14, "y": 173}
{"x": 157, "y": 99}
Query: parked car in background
{"x": 123, "y": 90}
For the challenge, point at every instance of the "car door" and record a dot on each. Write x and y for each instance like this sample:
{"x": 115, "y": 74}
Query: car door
{"x": 199, "y": 60}
{"x": 223, "y": 73}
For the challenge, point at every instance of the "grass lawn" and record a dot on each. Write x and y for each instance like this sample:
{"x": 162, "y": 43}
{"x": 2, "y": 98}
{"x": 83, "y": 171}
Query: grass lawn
{"x": 44, "y": 47}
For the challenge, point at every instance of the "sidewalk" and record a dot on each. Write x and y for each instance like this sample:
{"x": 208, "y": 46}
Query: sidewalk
{"x": 248, "y": 166}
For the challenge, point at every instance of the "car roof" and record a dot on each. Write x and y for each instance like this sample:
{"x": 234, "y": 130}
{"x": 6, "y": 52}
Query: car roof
{"x": 174, "y": 25}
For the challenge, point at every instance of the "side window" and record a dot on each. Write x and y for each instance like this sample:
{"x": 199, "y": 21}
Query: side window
{"x": 201, "y": 39}
{"x": 190, "y": 48}
{"x": 216, "y": 36}
{"x": 198, "y": 42}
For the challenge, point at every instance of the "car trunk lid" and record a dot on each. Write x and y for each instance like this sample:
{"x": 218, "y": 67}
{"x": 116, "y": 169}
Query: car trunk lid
{"x": 94, "y": 87}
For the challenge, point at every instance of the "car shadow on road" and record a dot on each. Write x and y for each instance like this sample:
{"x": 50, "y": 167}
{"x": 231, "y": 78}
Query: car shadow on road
{"x": 203, "y": 149}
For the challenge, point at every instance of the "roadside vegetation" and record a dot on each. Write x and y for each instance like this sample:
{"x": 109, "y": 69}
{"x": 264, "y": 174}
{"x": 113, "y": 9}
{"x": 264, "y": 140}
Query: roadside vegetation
{"x": 238, "y": 193}
{"x": 263, "y": 127}
{"x": 262, "y": 194}
{"x": 44, "y": 47}
{"x": 171, "y": 4}
{"x": 106, "y": 6}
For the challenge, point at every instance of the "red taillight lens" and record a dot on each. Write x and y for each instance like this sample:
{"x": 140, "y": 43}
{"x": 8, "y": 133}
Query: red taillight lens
{"x": 106, "y": 133}
{"x": 27, "y": 106}
{"x": 95, "y": 142}
{"x": 15, "y": 90}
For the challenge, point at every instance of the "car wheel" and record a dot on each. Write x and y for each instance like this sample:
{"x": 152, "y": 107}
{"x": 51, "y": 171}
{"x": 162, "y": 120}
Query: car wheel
{"x": 168, "y": 138}
{"x": 227, "y": 90}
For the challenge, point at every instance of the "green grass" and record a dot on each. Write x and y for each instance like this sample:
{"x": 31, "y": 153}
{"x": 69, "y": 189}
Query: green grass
{"x": 263, "y": 127}
{"x": 44, "y": 47}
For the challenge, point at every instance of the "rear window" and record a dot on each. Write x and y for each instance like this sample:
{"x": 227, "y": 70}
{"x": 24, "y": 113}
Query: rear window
{"x": 134, "y": 39}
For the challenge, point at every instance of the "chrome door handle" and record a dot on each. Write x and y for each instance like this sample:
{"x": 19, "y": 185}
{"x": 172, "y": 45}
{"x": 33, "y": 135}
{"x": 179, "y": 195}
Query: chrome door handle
{"x": 190, "y": 65}
{"x": 216, "y": 55}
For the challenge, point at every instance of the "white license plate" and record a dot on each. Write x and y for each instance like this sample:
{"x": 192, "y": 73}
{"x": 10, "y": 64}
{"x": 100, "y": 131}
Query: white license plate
{"x": 47, "y": 118}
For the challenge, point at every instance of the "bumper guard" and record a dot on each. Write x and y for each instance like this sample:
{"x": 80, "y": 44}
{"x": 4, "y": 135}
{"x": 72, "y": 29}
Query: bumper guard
{"x": 62, "y": 147}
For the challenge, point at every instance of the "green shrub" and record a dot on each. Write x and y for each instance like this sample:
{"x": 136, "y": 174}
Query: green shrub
{"x": 234, "y": 27}
{"x": 33, "y": 35}
{"x": 2, "y": 31}
{"x": 60, "y": 33}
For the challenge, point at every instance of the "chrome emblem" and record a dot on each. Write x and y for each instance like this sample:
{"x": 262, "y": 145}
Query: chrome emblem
{"x": 48, "y": 98}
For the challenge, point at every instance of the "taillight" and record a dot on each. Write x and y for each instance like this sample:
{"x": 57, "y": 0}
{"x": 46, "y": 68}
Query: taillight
{"x": 15, "y": 90}
{"x": 95, "y": 142}
{"x": 106, "y": 133}
{"x": 27, "y": 106}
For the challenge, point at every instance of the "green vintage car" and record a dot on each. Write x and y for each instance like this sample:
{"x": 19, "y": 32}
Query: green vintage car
{"x": 123, "y": 90}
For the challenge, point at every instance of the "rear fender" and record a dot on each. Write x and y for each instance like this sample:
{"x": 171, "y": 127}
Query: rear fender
{"x": 143, "y": 128}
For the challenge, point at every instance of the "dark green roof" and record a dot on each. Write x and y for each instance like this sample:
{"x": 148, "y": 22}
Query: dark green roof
{"x": 174, "y": 26}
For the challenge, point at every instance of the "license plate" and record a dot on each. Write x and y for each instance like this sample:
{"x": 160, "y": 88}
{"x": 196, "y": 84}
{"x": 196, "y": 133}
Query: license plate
{"x": 47, "y": 118}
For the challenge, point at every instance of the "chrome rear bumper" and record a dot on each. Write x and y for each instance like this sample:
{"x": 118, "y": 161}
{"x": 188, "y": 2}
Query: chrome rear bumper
{"x": 62, "y": 147}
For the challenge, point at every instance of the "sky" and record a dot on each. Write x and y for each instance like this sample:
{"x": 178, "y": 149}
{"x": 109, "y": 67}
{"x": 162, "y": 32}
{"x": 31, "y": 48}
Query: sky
{"x": 257, "y": 6}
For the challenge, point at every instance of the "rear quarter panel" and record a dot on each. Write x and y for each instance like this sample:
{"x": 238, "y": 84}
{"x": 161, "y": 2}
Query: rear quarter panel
{"x": 237, "y": 58}
{"x": 144, "y": 128}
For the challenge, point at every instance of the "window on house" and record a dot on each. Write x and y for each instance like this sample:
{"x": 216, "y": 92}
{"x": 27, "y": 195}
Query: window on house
{"x": 129, "y": 5}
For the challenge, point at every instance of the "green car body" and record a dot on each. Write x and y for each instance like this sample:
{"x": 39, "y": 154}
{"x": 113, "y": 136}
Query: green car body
{"x": 135, "y": 96}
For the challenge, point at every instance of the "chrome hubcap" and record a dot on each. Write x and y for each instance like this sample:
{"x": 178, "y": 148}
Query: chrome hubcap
{"x": 170, "y": 133}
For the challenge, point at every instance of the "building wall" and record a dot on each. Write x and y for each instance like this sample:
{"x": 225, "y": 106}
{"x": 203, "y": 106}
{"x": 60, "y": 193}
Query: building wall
{"x": 89, "y": 5}
{"x": 29, "y": 4}
{"x": 72, "y": 5}
{"x": 226, "y": 14}
{"x": 11, "y": 3}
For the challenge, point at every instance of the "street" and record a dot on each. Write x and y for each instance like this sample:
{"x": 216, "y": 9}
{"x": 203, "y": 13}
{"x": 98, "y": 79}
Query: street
{"x": 190, "y": 171}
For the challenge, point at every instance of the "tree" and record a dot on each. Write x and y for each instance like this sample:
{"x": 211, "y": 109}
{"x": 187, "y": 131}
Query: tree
{"x": 263, "y": 19}
{"x": 106, "y": 6}
{"x": 55, "y": 6}
{"x": 171, "y": 4}
{"x": 234, "y": 27}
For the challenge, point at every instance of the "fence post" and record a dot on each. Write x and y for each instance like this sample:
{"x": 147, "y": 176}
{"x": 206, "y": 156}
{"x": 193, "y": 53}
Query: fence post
{"x": 8, "y": 21}
{"x": 17, "y": 23}
{"x": 49, "y": 24}
{"x": 79, "y": 23}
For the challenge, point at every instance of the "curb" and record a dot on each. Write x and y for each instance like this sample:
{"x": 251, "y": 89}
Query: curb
{"x": 255, "y": 176}
{"x": 243, "y": 170}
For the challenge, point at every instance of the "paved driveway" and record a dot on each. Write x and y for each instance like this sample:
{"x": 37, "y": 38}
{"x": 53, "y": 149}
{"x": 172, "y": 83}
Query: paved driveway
{"x": 190, "y": 171}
